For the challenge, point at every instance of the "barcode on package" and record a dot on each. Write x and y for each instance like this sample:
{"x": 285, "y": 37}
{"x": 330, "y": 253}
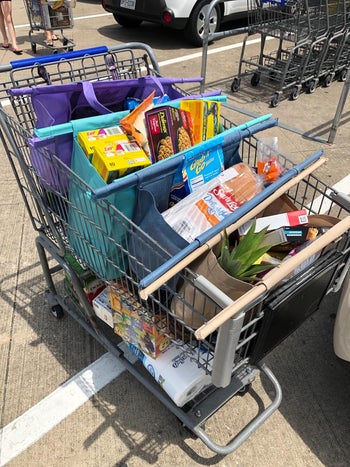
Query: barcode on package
{"x": 303, "y": 219}
{"x": 183, "y": 227}
{"x": 197, "y": 182}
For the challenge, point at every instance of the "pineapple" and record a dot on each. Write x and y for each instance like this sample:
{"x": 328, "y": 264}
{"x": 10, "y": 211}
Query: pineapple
{"x": 240, "y": 261}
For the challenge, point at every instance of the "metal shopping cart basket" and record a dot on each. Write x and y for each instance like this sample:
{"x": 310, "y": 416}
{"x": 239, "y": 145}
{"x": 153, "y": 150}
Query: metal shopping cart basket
{"x": 163, "y": 290}
{"x": 50, "y": 15}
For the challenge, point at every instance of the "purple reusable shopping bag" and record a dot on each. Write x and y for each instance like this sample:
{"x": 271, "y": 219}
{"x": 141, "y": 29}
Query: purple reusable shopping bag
{"x": 55, "y": 104}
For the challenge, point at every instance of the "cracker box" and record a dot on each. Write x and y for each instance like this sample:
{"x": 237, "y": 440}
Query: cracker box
{"x": 102, "y": 308}
{"x": 118, "y": 159}
{"x": 132, "y": 324}
{"x": 169, "y": 131}
{"x": 205, "y": 117}
{"x": 87, "y": 139}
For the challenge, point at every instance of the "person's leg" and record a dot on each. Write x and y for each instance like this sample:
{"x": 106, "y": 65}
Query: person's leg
{"x": 3, "y": 28}
{"x": 7, "y": 12}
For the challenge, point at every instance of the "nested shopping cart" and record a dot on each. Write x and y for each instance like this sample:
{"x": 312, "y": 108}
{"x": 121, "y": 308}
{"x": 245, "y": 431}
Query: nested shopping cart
{"x": 50, "y": 15}
{"x": 297, "y": 40}
{"x": 225, "y": 340}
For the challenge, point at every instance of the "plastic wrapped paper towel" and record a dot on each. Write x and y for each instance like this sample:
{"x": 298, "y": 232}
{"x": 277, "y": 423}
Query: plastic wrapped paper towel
{"x": 178, "y": 375}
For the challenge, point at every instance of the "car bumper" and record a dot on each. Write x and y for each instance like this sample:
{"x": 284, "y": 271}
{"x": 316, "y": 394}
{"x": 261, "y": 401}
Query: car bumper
{"x": 146, "y": 10}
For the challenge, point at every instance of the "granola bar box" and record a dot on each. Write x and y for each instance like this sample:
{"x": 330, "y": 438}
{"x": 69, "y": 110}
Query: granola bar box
{"x": 169, "y": 130}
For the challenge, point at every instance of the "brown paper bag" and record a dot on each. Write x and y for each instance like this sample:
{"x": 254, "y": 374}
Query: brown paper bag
{"x": 206, "y": 265}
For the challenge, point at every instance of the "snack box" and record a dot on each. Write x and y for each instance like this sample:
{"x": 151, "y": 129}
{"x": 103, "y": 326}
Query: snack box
{"x": 205, "y": 117}
{"x": 115, "y": 160}
{"x": 276, "y": 221}
{"x": 130, "y": 323}
{"x": 102, "y": 308}
{"x": 169, "y": 131}
{"x": 87, "y": 139}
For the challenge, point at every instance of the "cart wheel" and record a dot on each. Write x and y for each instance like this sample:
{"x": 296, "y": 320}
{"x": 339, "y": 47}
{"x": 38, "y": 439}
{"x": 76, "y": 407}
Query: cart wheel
{"x": 327, "y": 81}
{"x": 65, "y": 41}
{"x": 244, "y": 390}
{"x": 294, "y": 94}
{"x": 311, "y": 86}
{"x": 33, "y": 47}
{"x": 255, "y": 80}
{"x": 342, "y": 75}
{"x": 275, "y": 99}
{"x": 235, "y": 84}
{"x": 57, "y": 311}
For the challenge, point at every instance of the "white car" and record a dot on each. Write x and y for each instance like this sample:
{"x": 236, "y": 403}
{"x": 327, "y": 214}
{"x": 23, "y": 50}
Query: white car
{"x": 186, "y": 15}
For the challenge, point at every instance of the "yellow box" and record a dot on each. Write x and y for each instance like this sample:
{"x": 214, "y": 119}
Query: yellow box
{"x": 205, "y": 118}
{"x": 115, "y": 160}
{"x": 87, "y": 139}
{"x": 132, "y": 323}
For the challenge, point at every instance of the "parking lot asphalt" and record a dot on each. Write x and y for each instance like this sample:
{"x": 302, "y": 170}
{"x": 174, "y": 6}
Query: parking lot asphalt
{"x": 121, "y": 424}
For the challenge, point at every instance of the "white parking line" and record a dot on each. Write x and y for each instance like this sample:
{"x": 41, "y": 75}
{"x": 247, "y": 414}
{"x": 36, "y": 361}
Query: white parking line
{"x": 27, "y": 429}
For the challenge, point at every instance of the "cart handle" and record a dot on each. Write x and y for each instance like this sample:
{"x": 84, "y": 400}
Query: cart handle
{"x": 273, "y": 278}
{"x": 252, "y": 426}
{"x": 148, "y": 281}
{"x": 29, "y": 62}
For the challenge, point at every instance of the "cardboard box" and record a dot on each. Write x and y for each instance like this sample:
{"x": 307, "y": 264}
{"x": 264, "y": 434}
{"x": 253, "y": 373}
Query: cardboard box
{"x": 287, "y": 219}
{"x": 205, "y": 117}
{"x": 102, "y": 308}
{"x": 169, "y": 131}
{"x": 118, "y": 159}
{"x": 132, "y": 323}
{"x": 87, "y": 139}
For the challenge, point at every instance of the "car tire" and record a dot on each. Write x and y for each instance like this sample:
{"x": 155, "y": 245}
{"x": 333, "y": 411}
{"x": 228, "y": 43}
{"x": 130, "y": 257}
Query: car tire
{"x": 194, "y": 30}
{"x": 126, "y": 21}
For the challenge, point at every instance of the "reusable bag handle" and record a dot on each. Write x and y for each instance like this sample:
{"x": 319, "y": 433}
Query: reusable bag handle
{"x": 90, "y": 96}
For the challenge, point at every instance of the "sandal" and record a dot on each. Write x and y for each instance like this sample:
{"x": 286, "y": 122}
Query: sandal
{"x": 17, "y": 51}
{"x": 54, "y": 37}
{"x": 49, "y": 43}
{"x": 5, "y": 45}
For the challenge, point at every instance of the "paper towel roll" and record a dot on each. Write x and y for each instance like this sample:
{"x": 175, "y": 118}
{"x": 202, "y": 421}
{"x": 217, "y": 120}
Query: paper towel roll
{"x": 176, "y": 373}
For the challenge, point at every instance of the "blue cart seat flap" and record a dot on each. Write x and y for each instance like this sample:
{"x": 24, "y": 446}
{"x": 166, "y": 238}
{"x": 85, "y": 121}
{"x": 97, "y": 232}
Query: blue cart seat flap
{"x": 227, "y": 221}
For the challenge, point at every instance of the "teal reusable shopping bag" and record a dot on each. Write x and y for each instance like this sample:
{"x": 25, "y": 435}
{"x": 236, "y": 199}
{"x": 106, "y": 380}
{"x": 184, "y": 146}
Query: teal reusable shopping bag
{"x": 97, "y": 230}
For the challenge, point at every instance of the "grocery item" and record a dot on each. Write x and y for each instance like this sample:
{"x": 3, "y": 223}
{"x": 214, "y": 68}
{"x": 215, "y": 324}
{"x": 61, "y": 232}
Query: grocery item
{"x": 87, "y": 139}
{"x": 133, "y": 324}
{"x": 115, "y": 160}
{"x": 205, "y": 118}
{"x": 102, "y": 308}
{"x": 134, "y": 123}
{"x": 197, "y": 168}
{"x": 169, "y": 131}
{"x": 215, "y": 200}
{"x": 176, "y": 372}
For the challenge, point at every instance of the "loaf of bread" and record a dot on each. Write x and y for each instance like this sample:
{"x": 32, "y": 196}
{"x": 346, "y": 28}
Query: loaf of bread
{"x": 213, "y": 201}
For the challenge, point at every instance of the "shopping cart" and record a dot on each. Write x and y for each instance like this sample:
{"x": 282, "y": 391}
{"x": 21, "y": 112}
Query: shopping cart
{"x": 304, "y": 33}
{"x": 51, "y": 16}
{"x": 163, "y": 288}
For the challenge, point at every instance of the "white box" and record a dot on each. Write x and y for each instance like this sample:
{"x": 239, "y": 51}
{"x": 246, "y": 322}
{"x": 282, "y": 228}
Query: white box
{"x": 102, "y": 308}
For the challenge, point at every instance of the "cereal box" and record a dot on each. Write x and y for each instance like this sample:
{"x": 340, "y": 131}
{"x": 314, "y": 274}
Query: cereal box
{"x": 169, "y": 131}
{"x": 205, "y": 118}
{"x": 115, "y": 160}
{"x": 87, "y": 139}
{"x": 133, "y": 324}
